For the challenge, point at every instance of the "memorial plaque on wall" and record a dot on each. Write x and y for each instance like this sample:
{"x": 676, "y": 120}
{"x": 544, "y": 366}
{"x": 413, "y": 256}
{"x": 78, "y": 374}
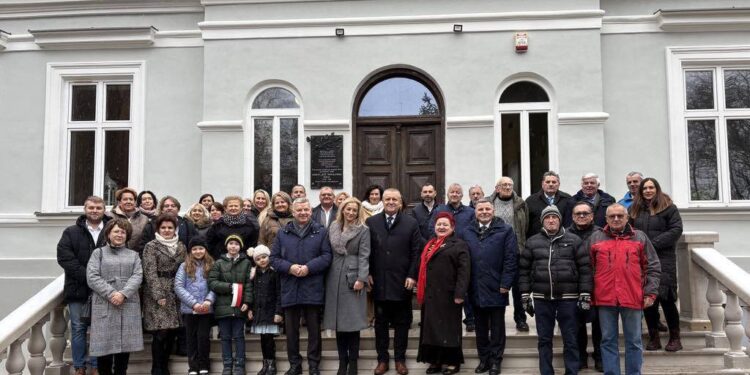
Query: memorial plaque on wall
{"x": 327, "y": 161}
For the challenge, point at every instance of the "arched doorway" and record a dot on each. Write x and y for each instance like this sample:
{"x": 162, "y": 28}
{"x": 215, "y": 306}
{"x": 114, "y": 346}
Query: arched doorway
{"x": 399, "y": 138}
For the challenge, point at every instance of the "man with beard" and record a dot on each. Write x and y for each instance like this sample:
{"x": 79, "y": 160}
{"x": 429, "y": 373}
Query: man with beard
{"x": 422, "y": 212}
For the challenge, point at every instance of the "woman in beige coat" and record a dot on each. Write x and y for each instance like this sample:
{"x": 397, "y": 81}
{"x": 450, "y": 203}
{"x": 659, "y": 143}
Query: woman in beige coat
{"x": 276, "y": 218}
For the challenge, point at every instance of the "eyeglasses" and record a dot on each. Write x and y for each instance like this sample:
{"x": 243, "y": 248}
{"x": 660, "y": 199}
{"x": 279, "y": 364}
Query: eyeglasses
{"x": 582, "y": 214}
{"x": 616, "y": 216}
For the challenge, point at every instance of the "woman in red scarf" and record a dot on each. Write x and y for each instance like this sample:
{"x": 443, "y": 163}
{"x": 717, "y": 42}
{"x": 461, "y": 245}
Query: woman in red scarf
{"x": 443, "y": 280}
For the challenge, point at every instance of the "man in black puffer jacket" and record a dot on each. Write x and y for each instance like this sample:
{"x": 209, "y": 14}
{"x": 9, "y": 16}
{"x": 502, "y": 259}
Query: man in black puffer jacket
{"x": 77, "y": 243}
{"x": 555, "y": 270}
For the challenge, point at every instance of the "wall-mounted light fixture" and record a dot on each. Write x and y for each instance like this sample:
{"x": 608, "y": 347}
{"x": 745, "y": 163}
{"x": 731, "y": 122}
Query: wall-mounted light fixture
{"x": 457, "y": 28}
{"x": 340, "y": 32}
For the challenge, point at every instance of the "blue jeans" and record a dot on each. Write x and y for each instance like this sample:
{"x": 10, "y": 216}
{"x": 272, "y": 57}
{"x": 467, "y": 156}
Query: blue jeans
{"x": 631, "y": 328}
{"x": 78, "y": 337}
{"x": 566, "y": 314}
{"x": 232, "y": 330}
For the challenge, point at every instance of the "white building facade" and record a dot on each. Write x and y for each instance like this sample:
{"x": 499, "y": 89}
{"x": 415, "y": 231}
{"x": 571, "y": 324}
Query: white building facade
{"x": 186, "y": 97}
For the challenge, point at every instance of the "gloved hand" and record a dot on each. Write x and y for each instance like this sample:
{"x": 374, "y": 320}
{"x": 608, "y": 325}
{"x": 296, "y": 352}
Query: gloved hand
{"x": 584, "y": 302}
{"x": 527, "y": 304}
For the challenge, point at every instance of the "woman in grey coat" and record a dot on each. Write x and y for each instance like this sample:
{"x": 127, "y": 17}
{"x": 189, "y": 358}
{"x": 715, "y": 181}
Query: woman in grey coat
{"x": 114, "y": 274}
{"x": 346, "y": 300}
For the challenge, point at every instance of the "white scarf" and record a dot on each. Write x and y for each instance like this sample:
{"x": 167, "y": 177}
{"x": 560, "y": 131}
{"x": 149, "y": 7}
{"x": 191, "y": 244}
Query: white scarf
{"x": 374, "y": 209}
{"x": 171, "y": 243}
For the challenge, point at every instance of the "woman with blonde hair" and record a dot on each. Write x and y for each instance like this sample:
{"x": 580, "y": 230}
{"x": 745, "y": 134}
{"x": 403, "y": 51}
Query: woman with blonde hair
{"x": 276, "y": 217}
{"x": 199, "y": 216}
{"x": 346, "y": 297}
{"x": 340, "y": 198}
{"x": 259, "y": 203}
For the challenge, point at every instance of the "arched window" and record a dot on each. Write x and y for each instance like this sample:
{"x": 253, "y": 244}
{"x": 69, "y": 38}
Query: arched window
{"x": 275, "y": 140}
{"x": 399, "y": 96}
{"x": 524, "y": 134}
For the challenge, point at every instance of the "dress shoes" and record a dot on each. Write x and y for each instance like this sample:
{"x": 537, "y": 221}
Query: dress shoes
{"x": 482, "y": 368}
{"x": 381, "y": 368}
{"x": 401, "y": 368}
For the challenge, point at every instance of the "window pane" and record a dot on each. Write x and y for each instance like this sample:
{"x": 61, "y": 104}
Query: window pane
{"x": 288, "y": 153}
{"x": 522, "y": 92}
{"x": 737, "y": 88}
{"x": 399, "y": 96}
{"x": 538, "y": 146}
{"x": 116, "y": 162}
{"x": 118, "y": 102}
{"x": 511, "y": 133}
{"x": 738, "y": 138}
{"x": 81, "y": 168}
{"x": 275, "y": 97}
{"x": 263, "y": 157}
{"x": 83, "y": 103}
{"x": 704, "y": 180}
{"x": 699, "y": 89}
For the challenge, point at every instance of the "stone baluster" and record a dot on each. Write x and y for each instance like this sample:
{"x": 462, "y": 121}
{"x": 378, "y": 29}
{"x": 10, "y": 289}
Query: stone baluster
{"x": 735, "y": 357}
{"x": 715, "y": 297}
{"x": 15, "y": 362}
{"x": 747, "y": 327}
{"x": 36, "y": 347}
{"x": 58, "y": 326}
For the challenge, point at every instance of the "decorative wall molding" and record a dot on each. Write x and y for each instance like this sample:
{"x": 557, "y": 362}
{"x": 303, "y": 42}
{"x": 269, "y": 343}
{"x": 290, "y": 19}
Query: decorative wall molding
{"x": 95, "y": 37}
{"x": 326, "y": 125}
{"x": 402, "y": 25}
{"x": 20, "y": 9}
{"x": 235, "y": 2}
{"x": 582, "y": 118}
{"x": 630, "y": 24}
{"x": 8, "y": 220}
{"x": 729, "y": 19}
{"x": 455, "y": 122}
{"x": 221, "y": 126}
{"x": 161, "y": 39}
{"x": 682, "y": 20}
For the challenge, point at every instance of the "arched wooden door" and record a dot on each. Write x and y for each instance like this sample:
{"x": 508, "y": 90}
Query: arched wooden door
{"x": 399, "y": 137}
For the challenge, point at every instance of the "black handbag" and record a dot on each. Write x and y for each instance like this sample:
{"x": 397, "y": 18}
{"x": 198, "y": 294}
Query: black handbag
{"x": 86, "y": 311}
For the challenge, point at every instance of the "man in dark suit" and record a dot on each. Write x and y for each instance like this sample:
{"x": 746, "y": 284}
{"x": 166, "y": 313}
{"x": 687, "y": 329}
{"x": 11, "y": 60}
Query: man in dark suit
{"x": 422, "y": 212}
{"x": 394, "y": 262}
{"x": 325, "y": 213}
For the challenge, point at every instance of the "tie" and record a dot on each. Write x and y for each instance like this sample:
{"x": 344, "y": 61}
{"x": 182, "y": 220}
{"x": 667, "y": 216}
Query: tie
{"x": 551, "y": 200}
{"x": 389, "y": 221}
{"x": 483, "y": 229}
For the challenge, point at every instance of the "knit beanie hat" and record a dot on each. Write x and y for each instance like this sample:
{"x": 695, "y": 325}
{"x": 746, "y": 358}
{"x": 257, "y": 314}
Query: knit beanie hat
{"x": 197, "y": 241}
{"x": 259, "y": 250}
{"x": 551, "y": 210}
{"x": 234, "y": 237}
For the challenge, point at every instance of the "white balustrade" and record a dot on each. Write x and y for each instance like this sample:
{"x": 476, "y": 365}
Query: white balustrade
{"x": 15, "y": 363}
{"x": 715, "y": 297}
{"x": 57, "y": 327}
{"x": 37, "y": 362}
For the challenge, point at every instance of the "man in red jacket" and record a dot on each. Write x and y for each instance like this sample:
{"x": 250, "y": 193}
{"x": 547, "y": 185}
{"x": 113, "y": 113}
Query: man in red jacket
{"x": 626, "y": 280}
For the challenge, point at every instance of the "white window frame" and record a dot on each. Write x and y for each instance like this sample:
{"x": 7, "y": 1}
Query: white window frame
{"x": 528, "y": 187}
{"x": 715, "y": 58}
{"x": 60, "y": 77}
{"x": 249, "y": 130}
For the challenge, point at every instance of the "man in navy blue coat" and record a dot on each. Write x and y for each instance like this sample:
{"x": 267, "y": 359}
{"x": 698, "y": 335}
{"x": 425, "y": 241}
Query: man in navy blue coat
{"x": 301, "y": 254}
{"x": 493, "y": 247}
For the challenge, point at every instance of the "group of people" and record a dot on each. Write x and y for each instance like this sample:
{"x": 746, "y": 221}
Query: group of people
{"x": 271, "y": 264}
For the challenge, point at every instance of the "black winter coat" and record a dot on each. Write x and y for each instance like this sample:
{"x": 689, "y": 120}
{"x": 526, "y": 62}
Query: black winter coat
{"x": 394, "y": 256}
{"x": 600, "y": 209}
{"x": 663, "y": 229}
{"x": 448, "y": 275}
{"x": 220, "y": 230}
{"x": 583, "y": 234}
{"x": 556, "y": 267}
{"x": 266, "y": 296}
{"x": 537, "y": 202}
{"x": 185, "y": 231}
{"x": 423, "y": 216}
{"x": 73, "y": 252}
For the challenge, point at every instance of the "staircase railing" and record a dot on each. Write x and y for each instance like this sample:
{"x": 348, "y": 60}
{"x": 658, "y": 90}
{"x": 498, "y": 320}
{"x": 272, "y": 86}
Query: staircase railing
{"x": 719, "y": 290}
{"x": 27, "y": 322}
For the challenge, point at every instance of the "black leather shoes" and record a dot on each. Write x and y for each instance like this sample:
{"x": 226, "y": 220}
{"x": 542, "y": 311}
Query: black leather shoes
{"x": 495, "y": 369}
{"x": 450, "y": 371}
{"x": 522, "y": 327}
{"x": 433, "y": 370}
{"x": 294, "y": 370}
{"x": 482, "y": 368}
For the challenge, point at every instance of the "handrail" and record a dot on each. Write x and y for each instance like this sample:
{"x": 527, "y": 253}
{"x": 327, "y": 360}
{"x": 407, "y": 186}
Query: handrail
{"x": 724, "y": 271}
{"x": 20, "y": 321}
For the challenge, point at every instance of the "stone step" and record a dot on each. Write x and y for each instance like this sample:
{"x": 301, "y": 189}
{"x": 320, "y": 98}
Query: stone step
{"x": 515, "y": 340}
{"x": 521, "y": 361}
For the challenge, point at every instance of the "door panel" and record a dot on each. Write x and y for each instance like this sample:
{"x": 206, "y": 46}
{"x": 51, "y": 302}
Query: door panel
{"x": 404, "y": 156}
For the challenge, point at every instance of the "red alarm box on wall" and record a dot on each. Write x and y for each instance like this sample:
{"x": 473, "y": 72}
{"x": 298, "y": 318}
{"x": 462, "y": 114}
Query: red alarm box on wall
{"x": 521, "y": 41}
